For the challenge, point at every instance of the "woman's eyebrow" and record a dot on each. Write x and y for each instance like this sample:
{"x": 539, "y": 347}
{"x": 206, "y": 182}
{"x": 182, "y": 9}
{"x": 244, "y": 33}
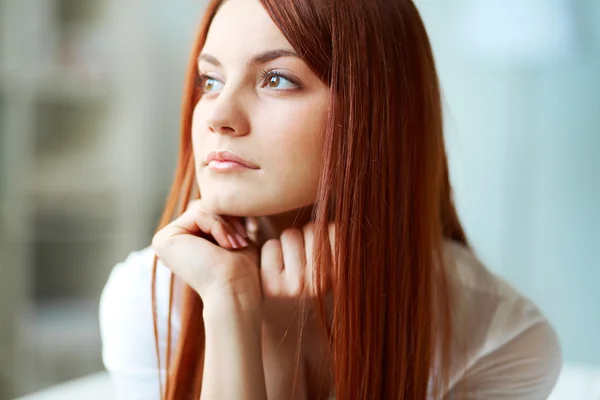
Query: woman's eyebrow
{"x": 261, "y": 58}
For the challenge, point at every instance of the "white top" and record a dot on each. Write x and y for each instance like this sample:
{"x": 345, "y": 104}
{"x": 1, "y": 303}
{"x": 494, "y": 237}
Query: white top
{"x": 513, "y": 352}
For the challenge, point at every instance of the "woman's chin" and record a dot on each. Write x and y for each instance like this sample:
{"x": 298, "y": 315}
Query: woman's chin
{"x": 238, "y": 206}
{"x": 243, "y": 205}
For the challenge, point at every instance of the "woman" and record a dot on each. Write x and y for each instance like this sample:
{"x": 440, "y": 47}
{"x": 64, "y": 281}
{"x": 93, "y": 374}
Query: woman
{"x": 310, "y": 229}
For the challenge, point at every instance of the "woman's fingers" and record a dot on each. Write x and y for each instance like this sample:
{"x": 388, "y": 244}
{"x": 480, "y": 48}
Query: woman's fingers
{"x": 197, "y": 221}
{"x": 308, "y": 232}
{"x": 236, "y": 230}
{"x": 287, "y": 264}
{"x": 332, "y": 238}
{"x": 271, "y": 268}
{"x": 284, "y": 266}
{"x": 239, "y": 227}
{"x": 294, "y": 260}
{"x": 224, "y": 231}
{"x": 308, "y": 242}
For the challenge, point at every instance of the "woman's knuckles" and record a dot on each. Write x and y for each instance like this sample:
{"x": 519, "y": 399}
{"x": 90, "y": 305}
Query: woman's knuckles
{"x": 291, "y": 237}
{"x": 162, "y": 242}
{"x": 271, "y": 257}
{"x": 195, "y": 205}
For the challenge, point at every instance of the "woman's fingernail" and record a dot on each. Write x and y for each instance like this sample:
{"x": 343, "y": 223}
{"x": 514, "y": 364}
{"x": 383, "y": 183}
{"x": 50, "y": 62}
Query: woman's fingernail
{"x": 252, "y": 224}
{"x": 232, "y": 241}
{"x": 240, "y": 228}
{"x": 241, "y": 240}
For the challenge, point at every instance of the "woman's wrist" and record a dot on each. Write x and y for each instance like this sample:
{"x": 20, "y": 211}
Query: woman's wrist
{"x": 229, "y": 322}
{"x": 245, "y": 308}
{"x": 233, "y": 360}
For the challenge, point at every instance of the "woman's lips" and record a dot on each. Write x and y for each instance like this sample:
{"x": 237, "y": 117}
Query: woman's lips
{"x": 227, "y": 161}
{"x": 225, "y": 165}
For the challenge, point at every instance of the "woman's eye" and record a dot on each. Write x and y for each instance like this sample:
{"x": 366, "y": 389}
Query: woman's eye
{"x": 278, "y": 82}
{"x": 210, "y": 85}
{"x": 271, "y": 80}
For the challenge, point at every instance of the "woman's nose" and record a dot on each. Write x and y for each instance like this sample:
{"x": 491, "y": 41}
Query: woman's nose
{"x": 229, "y": 118}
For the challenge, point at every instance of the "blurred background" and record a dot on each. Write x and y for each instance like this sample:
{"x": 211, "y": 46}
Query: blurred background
{"x": 89, "y": 124}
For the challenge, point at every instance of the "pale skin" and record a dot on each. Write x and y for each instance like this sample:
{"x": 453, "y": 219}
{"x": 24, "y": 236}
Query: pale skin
{"x": 264, "y": 104}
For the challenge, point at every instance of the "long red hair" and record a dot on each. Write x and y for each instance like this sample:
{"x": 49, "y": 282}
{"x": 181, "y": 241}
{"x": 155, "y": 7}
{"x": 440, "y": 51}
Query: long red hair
{"x": 385, "y": 184}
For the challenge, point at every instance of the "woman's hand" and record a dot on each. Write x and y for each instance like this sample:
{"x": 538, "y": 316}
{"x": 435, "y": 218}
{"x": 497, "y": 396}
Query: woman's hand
{"x": 222, "y": 267}
{"x": 212, "y": 256}
{"x": 287, "y": 276}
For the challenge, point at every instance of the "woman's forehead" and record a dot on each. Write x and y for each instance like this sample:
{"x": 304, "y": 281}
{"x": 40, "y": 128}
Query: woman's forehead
{"x": 243, "y": 28}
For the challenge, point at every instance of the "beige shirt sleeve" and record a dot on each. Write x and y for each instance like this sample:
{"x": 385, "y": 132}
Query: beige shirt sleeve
{"x": 513, "y": 352}
{"x": 525, "y": 368}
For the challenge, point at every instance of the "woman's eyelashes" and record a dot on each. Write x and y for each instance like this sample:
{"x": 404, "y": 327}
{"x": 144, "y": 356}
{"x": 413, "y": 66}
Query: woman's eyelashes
{"x": 269, "y": 79}
{"x": 208, "y": 84}
{"x": 279, "y": 80}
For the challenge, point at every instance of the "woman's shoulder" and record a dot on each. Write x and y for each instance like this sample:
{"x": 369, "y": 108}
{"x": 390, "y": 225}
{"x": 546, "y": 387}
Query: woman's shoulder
{"x": 126, "y": 315}
{"x": 130, "y": 281}
{"x": 479, "y": 291}
{"x": 496, "y": 324}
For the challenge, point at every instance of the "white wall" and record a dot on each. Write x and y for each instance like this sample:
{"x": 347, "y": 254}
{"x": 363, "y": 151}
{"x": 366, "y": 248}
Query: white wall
{"x": 524, "y": 141}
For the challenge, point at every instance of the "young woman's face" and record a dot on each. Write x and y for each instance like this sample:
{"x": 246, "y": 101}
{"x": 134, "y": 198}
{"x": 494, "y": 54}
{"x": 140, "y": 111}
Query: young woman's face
{"x": 261, "y": 103}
